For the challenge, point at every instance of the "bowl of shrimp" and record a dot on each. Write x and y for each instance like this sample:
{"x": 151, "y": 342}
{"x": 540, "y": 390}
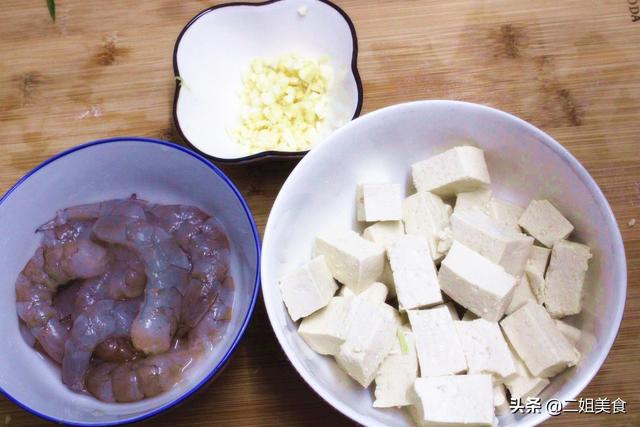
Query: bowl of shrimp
{"x": 131, "y": 270}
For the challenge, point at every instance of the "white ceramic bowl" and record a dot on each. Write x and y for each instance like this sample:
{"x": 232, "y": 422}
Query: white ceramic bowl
{"x": 215, "y": 49}
{"x": 157, "y": 171}
{"x": 524, "y": 163}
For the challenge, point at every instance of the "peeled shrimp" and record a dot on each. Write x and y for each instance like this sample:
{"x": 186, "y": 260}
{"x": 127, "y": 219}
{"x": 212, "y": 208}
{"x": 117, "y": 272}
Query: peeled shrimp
{"x": 104, "y": 319}
{"x": 209, "y": 250}
{"x": 147, "y": 289}
{"x": 49, "y": 268}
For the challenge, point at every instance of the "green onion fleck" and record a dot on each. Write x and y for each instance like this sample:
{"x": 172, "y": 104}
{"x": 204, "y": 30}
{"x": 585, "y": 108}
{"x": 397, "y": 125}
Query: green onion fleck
{"x": 182, "y": 83}
{"x": 404, "y": 347}
{"x": 51, "y": 5}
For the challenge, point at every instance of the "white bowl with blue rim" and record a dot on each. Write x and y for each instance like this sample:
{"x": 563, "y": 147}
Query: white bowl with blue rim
{"x": 115, "y": 168}
{"x": 217, "y": 46}
{"x": 524, "y": 162}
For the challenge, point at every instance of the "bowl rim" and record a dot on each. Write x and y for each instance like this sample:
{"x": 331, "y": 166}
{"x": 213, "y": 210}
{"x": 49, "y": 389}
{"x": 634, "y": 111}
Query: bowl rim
{"x": 269, "y": 153}
{"x": 604, "y": 346}
{"x": 254, "y": 295}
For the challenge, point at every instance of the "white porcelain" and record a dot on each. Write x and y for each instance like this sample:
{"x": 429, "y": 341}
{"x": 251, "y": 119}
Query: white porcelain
{"x": 524, "y": 163}
{"x": 156, "y": 171}
{"x": 216, "y": 47}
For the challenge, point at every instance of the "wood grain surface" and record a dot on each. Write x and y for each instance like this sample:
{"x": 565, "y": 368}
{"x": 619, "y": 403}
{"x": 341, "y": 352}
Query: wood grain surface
{"x": 570, "y": 67}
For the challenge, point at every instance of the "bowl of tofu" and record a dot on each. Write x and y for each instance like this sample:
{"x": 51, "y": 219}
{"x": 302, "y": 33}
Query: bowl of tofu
{"x": 443, "y": 263}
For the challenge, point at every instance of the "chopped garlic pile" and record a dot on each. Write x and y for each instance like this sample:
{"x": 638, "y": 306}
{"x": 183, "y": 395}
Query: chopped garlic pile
{"x": 284, "y": 103}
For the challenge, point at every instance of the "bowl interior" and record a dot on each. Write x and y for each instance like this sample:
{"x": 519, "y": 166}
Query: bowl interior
{"x": 215, "y": 50}
{"x": 524, "y": 164}
{"x": 159, "y": 172}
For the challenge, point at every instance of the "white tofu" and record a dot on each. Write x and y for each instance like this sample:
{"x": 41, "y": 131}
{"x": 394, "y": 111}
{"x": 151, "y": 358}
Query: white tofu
{"x": 500, "y": 244}
{"x": 370, "y": 337}
{"x": 500, "y": 402}
{"x": 521, "y": 295}
{"x": 535, "y": 268}
{"x": 468, "y": 316}
{"x": 308, "y": 288}
{"x": 376, "y": 292}
{"x": 398, "y": 372}
{"x": 524, "y": 384}
{"x": 384, "y": 233}
{"x": 538, "y": 342}
{"x": 562, "y": 292}
{"x": 414, "y": 273}
{"x": 504, "y": 213}
{"x": 352, "y": 260}
{"x": 387, "y": 278}
{"x": 425, "y": 214}
{"x": 460, "y": 169}
{"x": 453, "y": 311}
{"x": 476, "y": 283}
{"x": 544, "y": 222}
{"x": 570, "y": 332}
{"x": 485, "y": 349}
{"x": 472, "y": 199}
{"x": 325, "y": 330}
{"x": 379, "y": 202}
{"x": 455, "y": 400}
{"x": 437, "y": 343}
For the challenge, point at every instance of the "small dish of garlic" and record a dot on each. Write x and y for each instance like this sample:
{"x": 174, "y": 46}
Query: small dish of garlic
{"x": 264, "y": 80}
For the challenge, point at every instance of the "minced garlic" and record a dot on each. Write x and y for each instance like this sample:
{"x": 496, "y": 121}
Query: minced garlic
{"x": 284, "y": 103}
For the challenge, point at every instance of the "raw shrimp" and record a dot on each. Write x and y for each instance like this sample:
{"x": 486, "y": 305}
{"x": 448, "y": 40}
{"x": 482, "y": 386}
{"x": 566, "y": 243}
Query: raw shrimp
{"x": 104, "y": 319}
{"x": 49, "y": 268}
{"x": 167, "y": 268}
{"x": 116, "y": 349}
{"x": 148, "y": 377}
{"x": 139, "y": 379}
{"x": 146, "y": 291}
{"x": 209, "y": 250}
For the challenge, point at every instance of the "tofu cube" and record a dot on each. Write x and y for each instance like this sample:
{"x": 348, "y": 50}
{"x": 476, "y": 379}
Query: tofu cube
{"x": 414, "y": 273}
{"x": 504, "y": 213}
{"x": 387, "y": 278}
{"x": 352, "y": 260}
{"x": 538, "y": 342}
{"x": 325, "y": 330}
{"x": 544, "y": 222}
{"x": 485, "y": 349}
{"x": 370, "y": 337}
{"x": 398, "y": 372}
{"x": 384, "y": 233}
{"x": 570, "y": 332}
{"x": 476, "y": 283}
{"x": 500, "y": 244}
{"x": 535, "y": 268}
{"x": 455, "y": 400}
{"x": 457, "y": 170}
{"x": 376, "y": 292}
{"x": 472, "y": 199}
{"x": 562, "y": 292}
{"x": 521, "y": 295}
{"x": 438, "y": 345}
{"x": 500, "y": 402}
{"x": 379, "y": 202}
{"x": 524, "y": 384}
{"x": 308, "y": 288}
{"x": 426, "y": 215}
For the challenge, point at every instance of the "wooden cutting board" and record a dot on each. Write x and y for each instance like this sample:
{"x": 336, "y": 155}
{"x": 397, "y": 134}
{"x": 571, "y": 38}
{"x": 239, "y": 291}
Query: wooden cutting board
{"x": 570, "y": 67}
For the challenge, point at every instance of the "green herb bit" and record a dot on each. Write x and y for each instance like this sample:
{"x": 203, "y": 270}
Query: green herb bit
{"x": 404, "y": 347}
{"x": 51, "y": 5}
